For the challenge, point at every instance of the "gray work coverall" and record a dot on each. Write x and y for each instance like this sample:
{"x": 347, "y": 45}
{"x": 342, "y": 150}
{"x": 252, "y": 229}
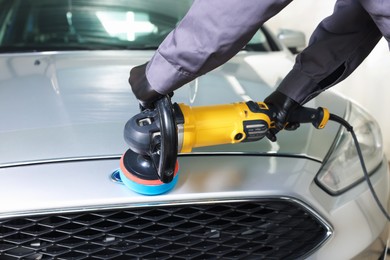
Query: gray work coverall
{"x": 213, "y": 31}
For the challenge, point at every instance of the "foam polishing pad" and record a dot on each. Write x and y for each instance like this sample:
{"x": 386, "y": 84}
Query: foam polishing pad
{"x": 139, "y": 175}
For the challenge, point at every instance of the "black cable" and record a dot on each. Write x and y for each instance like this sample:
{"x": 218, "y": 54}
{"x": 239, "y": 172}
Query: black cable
{"x": 366, "y": 176}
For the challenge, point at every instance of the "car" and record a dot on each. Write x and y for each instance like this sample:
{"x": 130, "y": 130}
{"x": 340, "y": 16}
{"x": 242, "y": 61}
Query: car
{"x": 64, "y": 102}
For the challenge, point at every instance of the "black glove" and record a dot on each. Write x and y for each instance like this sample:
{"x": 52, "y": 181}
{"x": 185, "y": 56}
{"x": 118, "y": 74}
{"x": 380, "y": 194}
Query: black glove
{"x": 282, "y": 106}
{"x": 141, "y": 88}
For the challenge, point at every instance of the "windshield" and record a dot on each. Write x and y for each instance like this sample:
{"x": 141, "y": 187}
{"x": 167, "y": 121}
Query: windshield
{"x": 39, "y": 25}
{"x": 89, "y": 24}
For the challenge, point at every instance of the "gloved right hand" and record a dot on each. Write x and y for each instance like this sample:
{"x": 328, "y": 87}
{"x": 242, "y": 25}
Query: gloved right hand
{"x": 282, "y": 106}
{"x": 141, "y": 88}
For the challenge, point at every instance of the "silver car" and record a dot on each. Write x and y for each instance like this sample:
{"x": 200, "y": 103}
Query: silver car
{"x": 64, "y": 101}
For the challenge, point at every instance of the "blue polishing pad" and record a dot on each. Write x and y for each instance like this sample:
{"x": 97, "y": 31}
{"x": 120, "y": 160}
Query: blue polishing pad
{"x": 148, "y": 189}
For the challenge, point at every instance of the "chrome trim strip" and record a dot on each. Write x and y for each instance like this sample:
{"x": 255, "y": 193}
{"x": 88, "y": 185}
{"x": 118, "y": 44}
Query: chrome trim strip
{"x": 60, "y": 160}
{"x": 265, "y": 154}
{"x": 115, "y": 157}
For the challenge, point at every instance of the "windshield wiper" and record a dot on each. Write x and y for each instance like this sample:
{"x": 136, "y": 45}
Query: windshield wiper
{"x": 40, "y": 48}
{"x": 74, "y": 47}
{"x": 142, "y": 47}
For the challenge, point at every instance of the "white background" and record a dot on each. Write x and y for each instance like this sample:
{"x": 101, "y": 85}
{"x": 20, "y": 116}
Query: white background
{"x": 369, "y": 85}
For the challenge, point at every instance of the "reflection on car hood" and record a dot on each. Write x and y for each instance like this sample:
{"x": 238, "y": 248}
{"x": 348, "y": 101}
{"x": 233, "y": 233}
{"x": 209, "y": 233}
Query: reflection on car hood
{"x": 71, "y": 105}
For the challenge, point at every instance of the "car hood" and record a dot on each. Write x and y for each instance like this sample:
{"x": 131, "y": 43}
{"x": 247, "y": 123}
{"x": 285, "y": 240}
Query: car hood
{"x": 73, "y": 105}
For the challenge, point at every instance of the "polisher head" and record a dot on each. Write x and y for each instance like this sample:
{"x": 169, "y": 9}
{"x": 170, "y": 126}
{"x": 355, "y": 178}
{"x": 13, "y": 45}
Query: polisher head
{"x": 138, "y": 173}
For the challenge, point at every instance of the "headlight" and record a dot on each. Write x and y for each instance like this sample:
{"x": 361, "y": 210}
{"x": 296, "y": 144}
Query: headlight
{"x": 342, "y": 168}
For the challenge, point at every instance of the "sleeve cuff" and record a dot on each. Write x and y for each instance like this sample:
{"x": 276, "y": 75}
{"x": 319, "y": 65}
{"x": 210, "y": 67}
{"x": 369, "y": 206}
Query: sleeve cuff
{"x": 163, "y": 76}
{"x": 299, "y": 86}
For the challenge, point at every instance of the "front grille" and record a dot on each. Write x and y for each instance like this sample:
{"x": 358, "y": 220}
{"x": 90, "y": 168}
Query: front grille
{"x": 250, "y": 229}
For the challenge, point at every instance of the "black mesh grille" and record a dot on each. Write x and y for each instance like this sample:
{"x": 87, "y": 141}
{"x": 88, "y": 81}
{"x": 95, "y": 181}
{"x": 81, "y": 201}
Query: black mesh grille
{"x": 266, "y": 228}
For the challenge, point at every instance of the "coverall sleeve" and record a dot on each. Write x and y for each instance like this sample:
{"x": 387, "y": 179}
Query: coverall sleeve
{"x": 336, "y": 48}
{"x": 210, "y": 34}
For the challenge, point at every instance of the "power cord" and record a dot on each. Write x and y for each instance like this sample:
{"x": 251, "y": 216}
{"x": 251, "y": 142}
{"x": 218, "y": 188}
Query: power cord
{"x": 366, "y": 176}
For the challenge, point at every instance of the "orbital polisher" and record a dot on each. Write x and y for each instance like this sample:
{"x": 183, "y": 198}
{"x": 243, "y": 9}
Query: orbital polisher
{"x": 156, "y": 136}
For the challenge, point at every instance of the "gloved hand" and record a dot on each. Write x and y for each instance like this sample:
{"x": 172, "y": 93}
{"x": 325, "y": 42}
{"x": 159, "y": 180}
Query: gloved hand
{"x": 282, "y": 106}
{"x": 141, "y": 88}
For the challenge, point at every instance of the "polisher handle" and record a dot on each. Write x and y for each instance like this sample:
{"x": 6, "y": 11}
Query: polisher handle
{"x": 165, "y": 157}
{"x": 317, "y": 116}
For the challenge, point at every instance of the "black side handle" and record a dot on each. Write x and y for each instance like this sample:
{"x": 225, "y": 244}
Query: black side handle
{"x": 317, "y": 116}
{"x": 164, "y": 158}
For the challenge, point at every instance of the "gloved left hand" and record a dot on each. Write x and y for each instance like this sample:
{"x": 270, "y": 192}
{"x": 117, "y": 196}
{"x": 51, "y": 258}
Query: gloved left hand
{"x": 282, "y": 106}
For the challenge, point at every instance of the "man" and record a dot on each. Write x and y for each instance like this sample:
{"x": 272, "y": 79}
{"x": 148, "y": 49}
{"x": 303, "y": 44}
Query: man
{"x": 214, "y": 31}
